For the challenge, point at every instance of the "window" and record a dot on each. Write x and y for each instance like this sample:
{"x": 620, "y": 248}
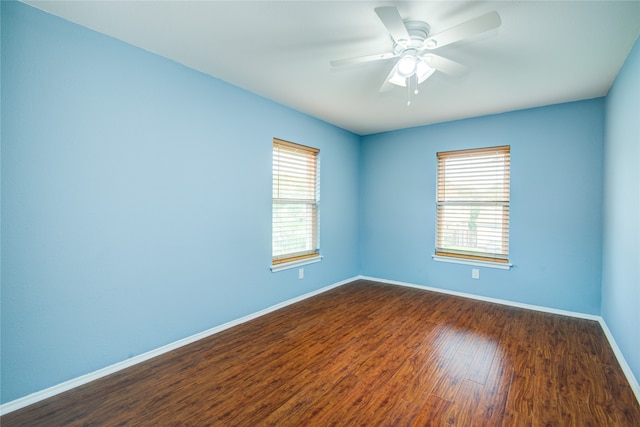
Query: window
{"x": 295, "y": 206}
{"x": 472, "y": 218}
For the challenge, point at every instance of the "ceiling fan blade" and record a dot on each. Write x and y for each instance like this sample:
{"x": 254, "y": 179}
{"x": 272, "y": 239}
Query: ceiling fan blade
{"x": 392, "y": 20}
{"x": 444, "y": 65}
{"x": 361, "y": 59}
{"x": 467, "y": 29}
{"x": 387, "y": 85}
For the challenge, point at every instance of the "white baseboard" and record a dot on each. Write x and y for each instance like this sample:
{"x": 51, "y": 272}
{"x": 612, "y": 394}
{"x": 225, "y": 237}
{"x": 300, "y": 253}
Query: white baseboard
{"x": 84, "y": 379}
{"x": 633, "y": 382}
{"x": 487, "y": 299}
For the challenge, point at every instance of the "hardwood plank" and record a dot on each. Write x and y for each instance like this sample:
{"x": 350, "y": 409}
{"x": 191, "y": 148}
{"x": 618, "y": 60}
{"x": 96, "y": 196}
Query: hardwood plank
{"x": 463, "y": 406}
{"x": 491, "y": 407}
{"x": 320, "y": 410}
{"x": 514, "y": 418}
{"x": 446, "y": 387}
{"x": 364, "y": 408}
{"x": 423, "y": 369}
{"x": 367, "y": 354}
{"x": 482, "y": 360}
{"x": 520, "y": 346}
{"x": 433, "y": 413}
{"x": 547, "y": 405}
{"x": 627, "y": 414}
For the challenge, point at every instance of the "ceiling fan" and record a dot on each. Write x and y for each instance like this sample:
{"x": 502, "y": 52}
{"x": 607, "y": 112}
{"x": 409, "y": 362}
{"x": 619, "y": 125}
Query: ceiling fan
{"x": 412, "y": 45}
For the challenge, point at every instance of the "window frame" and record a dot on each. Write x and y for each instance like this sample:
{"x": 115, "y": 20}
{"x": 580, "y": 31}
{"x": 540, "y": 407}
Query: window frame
{"x": 302, "y": 153}
{"x": 447, "y": 253}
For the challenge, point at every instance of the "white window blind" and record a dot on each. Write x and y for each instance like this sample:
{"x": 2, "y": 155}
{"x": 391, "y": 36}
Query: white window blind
{"x": 473, "y": 198}
{"x": 295, "y": 207}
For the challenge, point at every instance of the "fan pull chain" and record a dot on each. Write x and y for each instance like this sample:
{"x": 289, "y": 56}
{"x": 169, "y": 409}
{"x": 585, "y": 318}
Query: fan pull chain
{"x": 411, "y": 82}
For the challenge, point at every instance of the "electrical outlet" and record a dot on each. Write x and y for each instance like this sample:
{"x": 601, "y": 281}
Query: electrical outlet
{"x": 301, "y": 273}
{"x": 475, "y": 273}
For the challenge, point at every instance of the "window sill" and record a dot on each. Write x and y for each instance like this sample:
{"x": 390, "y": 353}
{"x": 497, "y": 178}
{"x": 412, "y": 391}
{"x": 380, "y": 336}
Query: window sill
{"x": 475, "y": 263}
{"x": 294, "y": 264}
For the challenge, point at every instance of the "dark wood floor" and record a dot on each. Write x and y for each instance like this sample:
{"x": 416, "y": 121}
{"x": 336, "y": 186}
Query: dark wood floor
{"x": 367, "y": 354}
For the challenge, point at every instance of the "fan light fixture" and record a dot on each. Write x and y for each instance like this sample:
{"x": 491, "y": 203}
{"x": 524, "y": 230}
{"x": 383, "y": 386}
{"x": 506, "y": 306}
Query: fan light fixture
{"x": 407, "y": 65}
{"x": 421, "y": 70}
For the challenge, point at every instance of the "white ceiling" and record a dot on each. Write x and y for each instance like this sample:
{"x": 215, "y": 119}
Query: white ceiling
{"x": 545, "y": 52}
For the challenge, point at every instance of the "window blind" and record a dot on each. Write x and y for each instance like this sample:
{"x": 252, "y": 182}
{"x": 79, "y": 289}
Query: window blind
{"x": 473, "y": 201}
{"x": 295, "y": 207}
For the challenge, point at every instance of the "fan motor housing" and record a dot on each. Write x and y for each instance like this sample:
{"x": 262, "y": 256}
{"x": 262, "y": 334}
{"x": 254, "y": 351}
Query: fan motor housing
{"x": 418, "y": 31}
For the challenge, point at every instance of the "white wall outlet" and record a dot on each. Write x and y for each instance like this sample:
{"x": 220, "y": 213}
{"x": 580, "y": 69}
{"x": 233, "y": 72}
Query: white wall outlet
{"x": 301, "y": 273}
{"x": 475, "y": 273}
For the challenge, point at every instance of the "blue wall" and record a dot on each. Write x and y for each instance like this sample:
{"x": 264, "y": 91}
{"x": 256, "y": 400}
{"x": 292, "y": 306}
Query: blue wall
{"x": 136, "y": 201}
{"x": 556, "y": 205}
{"x": 621, "y": 246}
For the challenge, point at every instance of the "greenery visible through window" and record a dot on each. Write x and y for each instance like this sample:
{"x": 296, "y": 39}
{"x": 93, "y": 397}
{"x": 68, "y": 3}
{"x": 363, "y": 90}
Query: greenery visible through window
{"x": 295, "y": 206}
{"x": 473, "y": 201}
